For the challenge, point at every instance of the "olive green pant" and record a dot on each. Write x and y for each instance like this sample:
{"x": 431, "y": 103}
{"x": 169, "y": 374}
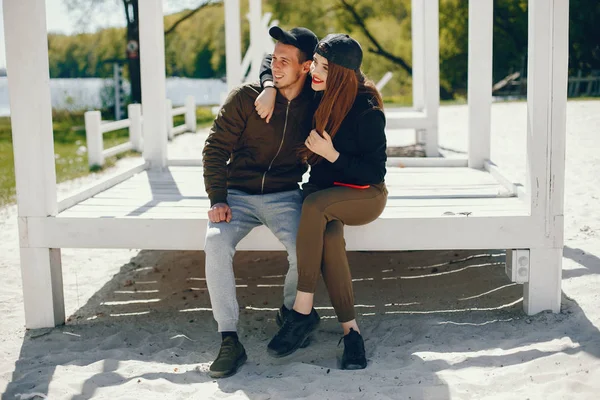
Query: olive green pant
{"x": 320, "y": 244}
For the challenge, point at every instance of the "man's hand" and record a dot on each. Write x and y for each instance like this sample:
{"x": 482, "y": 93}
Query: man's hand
{"x": 265, "y": 103}
{"x": 219, "y": 212}
{"x": 322, "y": 146}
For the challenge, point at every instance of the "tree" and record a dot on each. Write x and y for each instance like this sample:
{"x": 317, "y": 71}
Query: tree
{"x": 85, "y": 8}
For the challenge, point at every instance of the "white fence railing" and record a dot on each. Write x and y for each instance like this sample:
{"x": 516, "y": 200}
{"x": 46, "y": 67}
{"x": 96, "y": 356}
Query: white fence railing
{"x": 95, "y": 129}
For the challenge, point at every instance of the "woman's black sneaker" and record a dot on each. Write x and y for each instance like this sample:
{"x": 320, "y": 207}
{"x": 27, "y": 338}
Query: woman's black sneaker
{"x": 231, "y": 356}
{"x": 293, "y": 333}
{"x": 282, "y": 314}
{"x": 354, "y": 351}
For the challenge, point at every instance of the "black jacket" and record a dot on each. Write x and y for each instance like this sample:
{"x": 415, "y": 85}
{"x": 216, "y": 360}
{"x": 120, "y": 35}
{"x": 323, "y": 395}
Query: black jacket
{"x": 244, "y": 152}
{"x": 361, "y": 142}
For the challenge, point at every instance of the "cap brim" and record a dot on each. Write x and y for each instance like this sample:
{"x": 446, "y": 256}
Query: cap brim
{"x": 282, "y": 36}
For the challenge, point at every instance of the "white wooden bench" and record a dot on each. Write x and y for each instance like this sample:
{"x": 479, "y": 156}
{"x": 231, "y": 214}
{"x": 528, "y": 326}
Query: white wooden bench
{"x": 434, "y": 203}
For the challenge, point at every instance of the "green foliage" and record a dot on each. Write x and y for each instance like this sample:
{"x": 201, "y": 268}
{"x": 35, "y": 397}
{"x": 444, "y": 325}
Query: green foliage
{"x": 197, "y": 47}
{"x": 584, "y": 35}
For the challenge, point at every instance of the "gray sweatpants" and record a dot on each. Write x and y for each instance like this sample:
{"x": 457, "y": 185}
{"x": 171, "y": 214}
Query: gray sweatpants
{"x": 280, "y": 212}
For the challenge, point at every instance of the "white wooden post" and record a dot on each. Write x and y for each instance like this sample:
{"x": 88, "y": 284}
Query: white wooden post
{"x": 547, "y": 79}
{"x": 154, "y": 94}
{"x": 418, "y": 53}
{"x": 233, "y": 47}
{"x": 134, "y": 111}
{"x": 190, "y": 113}
{"x": 31, "y": 118}
{"x": 256, "y": 37}
{"x": 169, "y": 113}
{"x": 481, "y": 32}
{"x": 94, "y": 139}
{"x": 432, "y": 74}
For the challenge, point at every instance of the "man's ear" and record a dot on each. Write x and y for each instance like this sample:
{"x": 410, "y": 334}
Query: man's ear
{"x": 306, "y": 66}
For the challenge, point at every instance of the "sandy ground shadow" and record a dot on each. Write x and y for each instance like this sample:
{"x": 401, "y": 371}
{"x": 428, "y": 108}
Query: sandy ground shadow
{"x": 156, "y": 310}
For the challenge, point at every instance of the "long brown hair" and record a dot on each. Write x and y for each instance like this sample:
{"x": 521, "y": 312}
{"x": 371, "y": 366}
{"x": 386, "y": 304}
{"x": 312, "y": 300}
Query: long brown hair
{"x": 342, "y": 86}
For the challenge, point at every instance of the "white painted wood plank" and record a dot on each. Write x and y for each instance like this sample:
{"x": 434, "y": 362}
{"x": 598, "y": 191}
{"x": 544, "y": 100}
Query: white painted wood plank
{"x": 432, "y": 75}
{"x": 31, "y": 119}
{"x": 30, "y": 107}
{"x": 121, "y": 148}
{"x": 256, "y": 37}
{"x": 201, "y": 213}
{"x": 98, "y": 187}
{"x": 41, "y": 271}
{"x": 481, "y": 29}
{"x": 178, "y": 111}
{"x": 115, "y": 125}
{"x": 510, "y": 184}
{"x": 178, "y": 130}
{"x": 418, "y": 53}
{"x": 393, "y": 204}
{"x": 546, "y": 110}
{"x": 403, "y": 162}
{"x": 423, "y": 193}
{"x": 154, "y": 95}
{"x": 383, "y": 234}
{"x": 233, "y": 47}
{"x": 543, "y": 290}
{"x": 184, "y": 162}
{"x": 93, "y": 138}
{"x": 498, "y": 202}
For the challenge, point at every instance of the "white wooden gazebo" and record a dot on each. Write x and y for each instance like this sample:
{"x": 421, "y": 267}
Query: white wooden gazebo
{"x": 434, "y": 203}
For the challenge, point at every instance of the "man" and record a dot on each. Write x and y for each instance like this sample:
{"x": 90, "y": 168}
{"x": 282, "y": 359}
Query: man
{"x": 251, "y": 175}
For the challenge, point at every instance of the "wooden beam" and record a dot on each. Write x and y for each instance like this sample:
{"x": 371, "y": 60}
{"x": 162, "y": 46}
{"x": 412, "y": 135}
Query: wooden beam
{"x": 31, "y": 119}
{"x": 430, "y": 233}
{"x": 432, "y": 74}
{"x": 546, "y": 134}
{"x": 233, "y": 47}
{"x": 417, "y": 9}
{"x": 481, "y": 32}
{"x": 256, "y": 38}
{"x": 426, "y": 162}
{"x": 100, "y": 186}
{"x": 154, "y": 95}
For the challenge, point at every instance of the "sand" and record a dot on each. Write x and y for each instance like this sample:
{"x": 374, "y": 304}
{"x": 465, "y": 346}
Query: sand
{"x": 437, "y": 324}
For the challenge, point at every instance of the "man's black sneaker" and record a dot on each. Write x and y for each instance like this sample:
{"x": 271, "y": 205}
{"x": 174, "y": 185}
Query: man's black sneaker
{"x": 293, "y": 333}
{"x": 354, "y": 351}
{"x": 231, "y": 356}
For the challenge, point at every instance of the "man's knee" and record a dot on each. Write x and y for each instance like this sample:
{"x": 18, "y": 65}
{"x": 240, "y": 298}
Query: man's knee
{"x": 218, "y": 240}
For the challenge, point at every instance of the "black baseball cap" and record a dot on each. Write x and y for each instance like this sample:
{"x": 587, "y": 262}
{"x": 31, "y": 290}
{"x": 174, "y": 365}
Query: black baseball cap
{"x": 304, "y": 39}
{"x": 341, "y": 49}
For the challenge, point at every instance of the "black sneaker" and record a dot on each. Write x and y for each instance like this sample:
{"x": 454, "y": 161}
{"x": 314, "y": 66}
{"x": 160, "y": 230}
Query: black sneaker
{"x": 293, "y": 333}
{"x": 231, "y": 356}
{"x": 282, "y": 314}
{"x": 354, "y": 351}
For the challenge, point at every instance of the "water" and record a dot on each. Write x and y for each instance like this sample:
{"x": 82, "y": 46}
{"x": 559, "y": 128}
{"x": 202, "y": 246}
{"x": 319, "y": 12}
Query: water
{"x": 93, "y": 93}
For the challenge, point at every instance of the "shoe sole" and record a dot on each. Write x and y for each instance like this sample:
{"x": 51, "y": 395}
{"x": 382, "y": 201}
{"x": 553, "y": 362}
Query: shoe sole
{"x": 305, "y": 340}
{"x": 352, "y": 367}
{"x": 228, "y": 373}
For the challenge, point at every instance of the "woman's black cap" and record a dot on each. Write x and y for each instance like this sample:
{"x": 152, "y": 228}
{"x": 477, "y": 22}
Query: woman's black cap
{"x": 341, "y": 49}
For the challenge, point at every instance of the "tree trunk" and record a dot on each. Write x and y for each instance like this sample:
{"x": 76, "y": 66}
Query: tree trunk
{"x": 133, "y": 49}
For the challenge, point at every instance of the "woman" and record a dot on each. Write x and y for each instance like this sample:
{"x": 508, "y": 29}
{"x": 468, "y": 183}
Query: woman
{"x": 346, "y": 151}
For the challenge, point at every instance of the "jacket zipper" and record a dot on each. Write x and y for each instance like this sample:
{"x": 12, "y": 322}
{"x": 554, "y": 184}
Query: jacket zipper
{"x": 262, "y": 186}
